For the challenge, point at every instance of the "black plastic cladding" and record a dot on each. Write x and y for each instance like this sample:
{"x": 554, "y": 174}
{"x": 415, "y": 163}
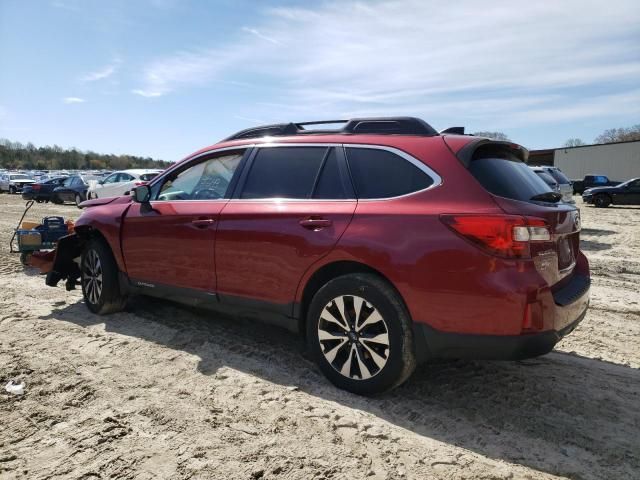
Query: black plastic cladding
{"x": 376, "y": 125}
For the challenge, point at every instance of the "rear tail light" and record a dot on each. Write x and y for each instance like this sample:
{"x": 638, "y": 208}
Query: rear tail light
{"x": 508, "y": 236}
{"x": 35, "y": 187}
{"x": 137, "y": 184}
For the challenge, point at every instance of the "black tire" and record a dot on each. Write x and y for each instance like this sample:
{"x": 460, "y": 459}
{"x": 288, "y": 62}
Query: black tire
{"x": 12, "y": 190}
{"x": 106, "y": 297}
{"x": 602, "y": 201}
{"x": 381, "y": 298}
{"x": 56, "y": 200}
{"x": 78, "y": 200}
{"x": 39, "y": 200}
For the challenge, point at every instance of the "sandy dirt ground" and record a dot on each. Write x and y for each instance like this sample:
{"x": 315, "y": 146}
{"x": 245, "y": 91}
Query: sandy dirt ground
{"x": 164, "y": 391}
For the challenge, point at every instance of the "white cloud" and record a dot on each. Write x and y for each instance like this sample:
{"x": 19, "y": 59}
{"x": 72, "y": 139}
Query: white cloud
{"x": 260, "y": 35}
{"x": 72, "y": 100}
{"x": 101, "y": 73}
{"x": 463, "y": 61}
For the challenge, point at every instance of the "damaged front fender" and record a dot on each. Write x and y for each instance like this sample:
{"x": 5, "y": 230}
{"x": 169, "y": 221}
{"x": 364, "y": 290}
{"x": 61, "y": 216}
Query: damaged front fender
{"x": 65, "y": 265}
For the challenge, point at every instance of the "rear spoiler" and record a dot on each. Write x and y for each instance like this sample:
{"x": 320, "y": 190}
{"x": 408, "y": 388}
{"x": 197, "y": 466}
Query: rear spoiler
{"x": 466, "y": 153}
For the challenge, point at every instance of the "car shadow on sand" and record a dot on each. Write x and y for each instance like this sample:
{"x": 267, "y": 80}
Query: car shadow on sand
{"x": 562, "y": 413}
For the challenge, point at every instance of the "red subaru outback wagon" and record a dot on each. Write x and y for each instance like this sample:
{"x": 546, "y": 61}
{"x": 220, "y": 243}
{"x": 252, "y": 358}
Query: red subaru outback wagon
{"x": 384, "y": 242}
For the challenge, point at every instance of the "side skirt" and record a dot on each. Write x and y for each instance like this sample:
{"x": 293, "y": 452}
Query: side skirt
{"x": 267, "y": 312}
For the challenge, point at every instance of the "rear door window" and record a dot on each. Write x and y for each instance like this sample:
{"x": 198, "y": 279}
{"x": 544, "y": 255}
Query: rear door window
{"x": 284, "y": 172}
{"x": 383, "y": 174}
{"x": 507, "y": 176}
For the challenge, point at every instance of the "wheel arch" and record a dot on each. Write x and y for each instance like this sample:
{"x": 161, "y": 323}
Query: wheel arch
{"x": 326, "y": 273}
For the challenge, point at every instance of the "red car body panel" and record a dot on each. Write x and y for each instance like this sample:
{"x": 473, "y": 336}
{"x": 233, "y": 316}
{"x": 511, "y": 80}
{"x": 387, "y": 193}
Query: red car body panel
{"x": 180, "y": 252}
{"x": 262, "y": 249}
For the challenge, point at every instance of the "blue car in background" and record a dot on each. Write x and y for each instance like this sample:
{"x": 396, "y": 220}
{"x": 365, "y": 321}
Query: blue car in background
{"x": 74, "y": 189}
{"x": 43, "y": 190}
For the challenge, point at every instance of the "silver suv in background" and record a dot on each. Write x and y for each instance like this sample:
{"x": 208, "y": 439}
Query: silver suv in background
{"x": 564, "y": 185}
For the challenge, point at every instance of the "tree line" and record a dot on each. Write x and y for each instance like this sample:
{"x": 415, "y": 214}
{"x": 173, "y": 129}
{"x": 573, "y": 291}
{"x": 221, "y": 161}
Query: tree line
{"x": 611, "y": 135}
{"x": 18, "y": 156}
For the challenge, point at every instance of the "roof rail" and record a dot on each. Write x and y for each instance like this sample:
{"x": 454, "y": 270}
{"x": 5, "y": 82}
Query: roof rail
{"x": 374, "y": 125}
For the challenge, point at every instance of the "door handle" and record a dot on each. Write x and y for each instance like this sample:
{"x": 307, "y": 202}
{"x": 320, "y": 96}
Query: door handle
{"x": 203, "y": 222}
{"x": 315, "y": 223}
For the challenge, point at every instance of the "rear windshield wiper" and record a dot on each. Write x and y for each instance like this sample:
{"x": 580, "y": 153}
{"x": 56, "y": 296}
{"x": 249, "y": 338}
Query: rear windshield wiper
{"x": 552, "y": 197}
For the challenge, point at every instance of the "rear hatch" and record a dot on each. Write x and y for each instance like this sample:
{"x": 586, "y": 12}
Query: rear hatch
{"x": 517, "y": 190}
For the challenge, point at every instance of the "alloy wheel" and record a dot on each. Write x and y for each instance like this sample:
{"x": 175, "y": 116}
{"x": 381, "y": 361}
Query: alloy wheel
{"x": 354, "y": 337}
{"x": 92, "y": 277}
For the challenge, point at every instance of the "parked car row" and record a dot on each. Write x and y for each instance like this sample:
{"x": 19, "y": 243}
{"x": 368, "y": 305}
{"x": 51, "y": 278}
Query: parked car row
{"x": 81, "y": 187}
{"x": 591, "y": 181}
{"x": 557, "y": 180}
{"x": 627, "y": 193}
{"x": 14, "y": 182}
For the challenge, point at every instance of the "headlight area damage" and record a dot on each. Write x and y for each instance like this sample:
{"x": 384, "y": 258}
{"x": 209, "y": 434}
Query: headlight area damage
{"x": 65, "y": 262}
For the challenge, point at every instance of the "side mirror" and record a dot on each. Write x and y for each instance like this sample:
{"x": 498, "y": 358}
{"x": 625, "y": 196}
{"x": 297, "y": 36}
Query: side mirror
{"x": 142, "y": 194}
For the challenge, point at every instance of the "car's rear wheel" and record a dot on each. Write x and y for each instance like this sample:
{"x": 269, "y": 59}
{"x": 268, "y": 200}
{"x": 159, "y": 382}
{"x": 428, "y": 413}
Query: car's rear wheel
{"x": 359, "y": 334}
{"x": 12, "y": 190}
{"x": 602, "y": 201}
{"x": 99, "y": 279}
{"x": 78, "y": 200}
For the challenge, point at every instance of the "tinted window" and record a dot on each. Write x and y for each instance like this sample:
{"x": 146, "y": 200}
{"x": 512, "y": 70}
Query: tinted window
{"x": 507, "y": 177}
{"x": 329, "y": 183}
{"x": 383, "y": 174}
{"x": 548, "y": 179}
{"x": 558, "y": 176}
{"x": 208, "y": 180}
{"x": 111, "y": 178}
{"x": 284, "y": 172}
{"x": 599, "y": 179}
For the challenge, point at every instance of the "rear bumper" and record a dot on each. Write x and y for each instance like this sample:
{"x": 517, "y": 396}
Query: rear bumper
{"x": 571, "y": 304}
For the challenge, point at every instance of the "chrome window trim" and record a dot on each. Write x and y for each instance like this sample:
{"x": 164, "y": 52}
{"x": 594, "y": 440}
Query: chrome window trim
{"x": 437, "y": 180}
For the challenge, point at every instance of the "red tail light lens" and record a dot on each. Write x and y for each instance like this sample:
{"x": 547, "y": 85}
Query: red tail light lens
{"x": 35, "y": 187}
{"x": 137, "y": 184}
{"x": 503, "y": 235}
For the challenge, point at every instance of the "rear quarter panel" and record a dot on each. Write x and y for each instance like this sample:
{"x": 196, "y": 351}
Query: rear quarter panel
{"x": 444, "y": 280}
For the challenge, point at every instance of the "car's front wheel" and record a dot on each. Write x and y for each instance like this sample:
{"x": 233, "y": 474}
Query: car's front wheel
{"x": 99, "y": 279}
{"x": 602, "y": 201}
{"x": 359, "y": 333}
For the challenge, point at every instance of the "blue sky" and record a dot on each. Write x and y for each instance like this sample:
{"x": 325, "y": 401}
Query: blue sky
{"x": 163, "y": 78}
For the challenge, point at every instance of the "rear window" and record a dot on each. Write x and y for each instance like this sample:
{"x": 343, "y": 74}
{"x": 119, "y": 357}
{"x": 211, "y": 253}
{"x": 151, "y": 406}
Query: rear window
{"x": 558, "y": 176}
{"x": 507, "y": 177}
{"x": 548, "y": 179}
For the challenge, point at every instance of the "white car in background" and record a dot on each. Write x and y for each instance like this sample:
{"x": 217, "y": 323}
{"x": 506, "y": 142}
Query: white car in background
{"x": 13, "y": 182}
{"x": 120, "y": 183}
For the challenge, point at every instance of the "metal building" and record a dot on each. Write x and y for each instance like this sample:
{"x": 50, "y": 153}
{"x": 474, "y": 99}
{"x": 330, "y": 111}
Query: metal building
{"x": 618, "y": 161}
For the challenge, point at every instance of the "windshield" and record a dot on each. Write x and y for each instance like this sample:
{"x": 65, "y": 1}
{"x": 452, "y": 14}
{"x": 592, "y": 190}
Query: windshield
{"x": 19, "y": 177}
